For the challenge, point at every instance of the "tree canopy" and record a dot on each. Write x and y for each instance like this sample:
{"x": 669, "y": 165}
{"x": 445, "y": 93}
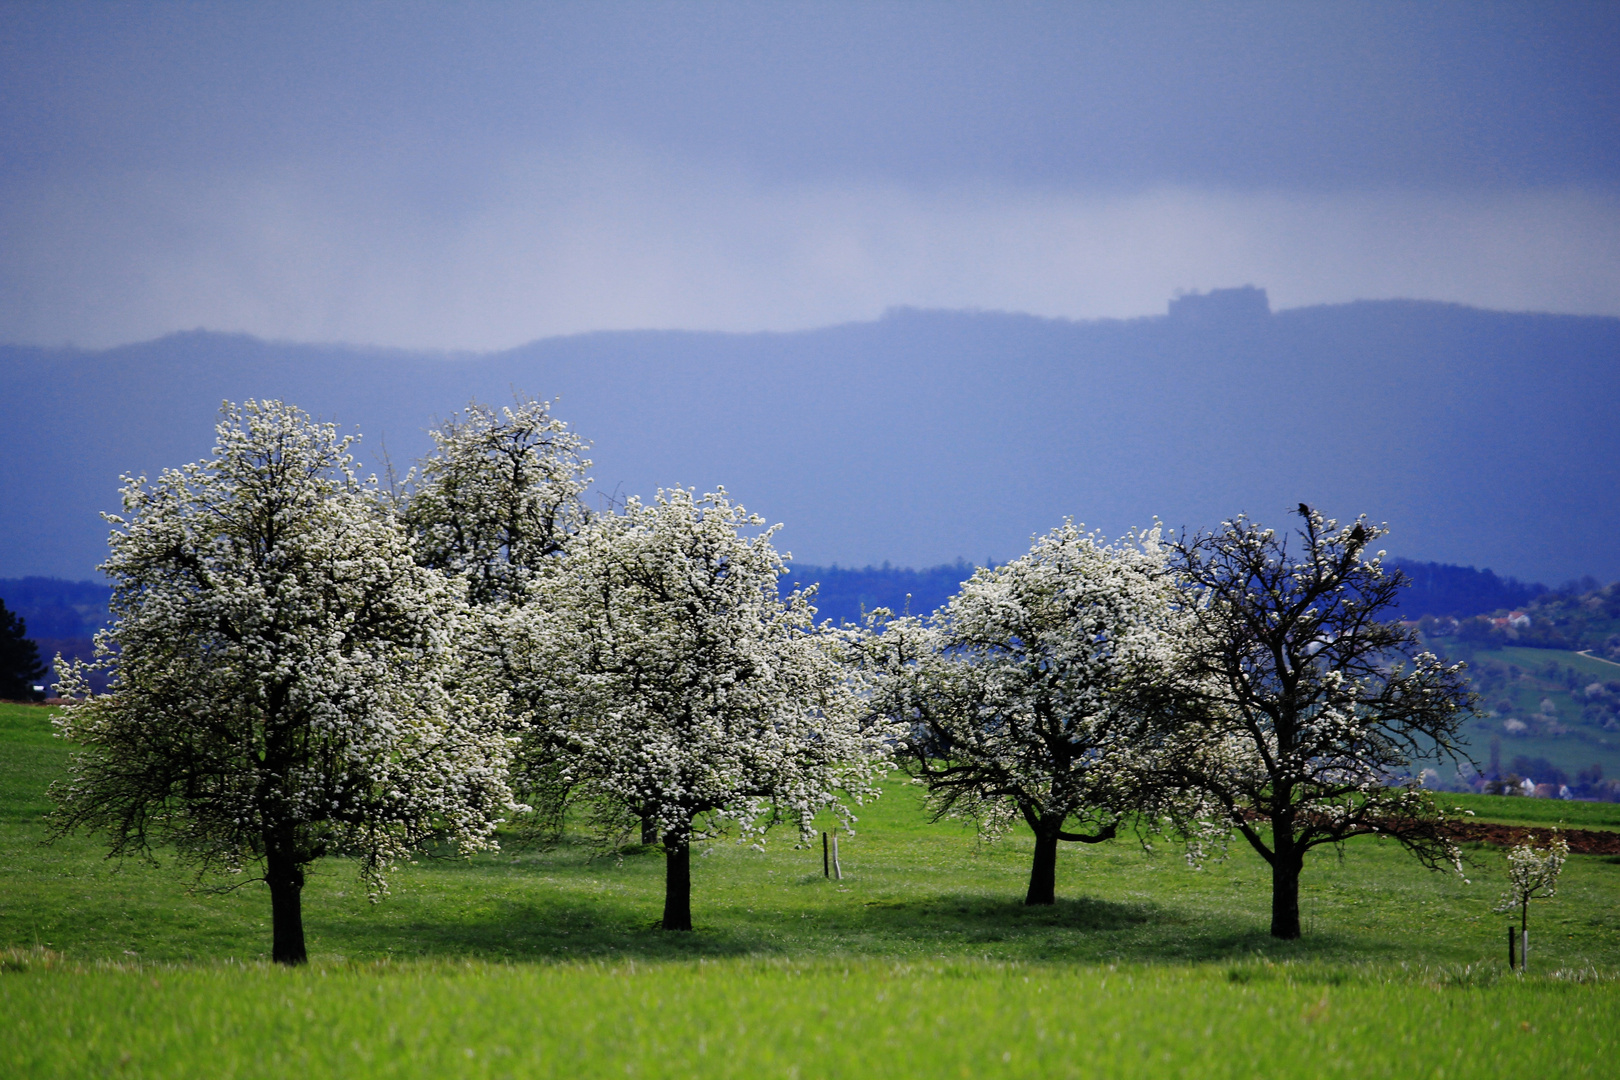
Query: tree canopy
{"x": 499, "y": 495}
{"x": 20, "y": 666}
{"x": 1309, "y": 702}
{"x": 677, "y": 687}
{"x": 1019, "y": 693}
{"x": 285, "y": 676}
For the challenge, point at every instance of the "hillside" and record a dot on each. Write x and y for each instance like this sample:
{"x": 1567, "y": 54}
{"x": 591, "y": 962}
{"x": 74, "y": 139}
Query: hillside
{"x": 1484, "y": 438}
{"x": 1548, "y": 676}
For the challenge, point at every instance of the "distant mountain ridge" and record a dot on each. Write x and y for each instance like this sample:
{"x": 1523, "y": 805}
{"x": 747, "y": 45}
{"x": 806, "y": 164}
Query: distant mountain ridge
{"x": 1483, "y": 438}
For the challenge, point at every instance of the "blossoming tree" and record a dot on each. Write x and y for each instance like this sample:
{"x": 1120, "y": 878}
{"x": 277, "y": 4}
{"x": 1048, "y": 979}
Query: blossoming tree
{"x": 499, "y": 496}
{"x": 1532, "y": 875}
{"x": 678, "y": 687}
{"x": 284, "y": 675}
{"x": 1311, "y": 699}
{"x": 495, "y": 504}
{"x": 1018, "y": 693}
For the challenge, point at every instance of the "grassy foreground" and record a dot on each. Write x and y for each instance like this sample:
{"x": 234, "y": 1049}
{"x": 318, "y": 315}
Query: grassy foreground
{"x": 746, "y": 1018}
{"x": 921, "y": 962}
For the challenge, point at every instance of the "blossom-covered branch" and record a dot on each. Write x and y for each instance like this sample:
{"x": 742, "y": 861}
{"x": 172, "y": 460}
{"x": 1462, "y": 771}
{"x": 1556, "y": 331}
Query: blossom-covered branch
{"x": 285, "y": 678}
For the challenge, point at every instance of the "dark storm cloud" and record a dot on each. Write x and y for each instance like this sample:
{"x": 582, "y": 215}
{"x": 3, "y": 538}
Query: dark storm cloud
{"x": 475, "y": 176}
{"x": 480, "y": 175}
{"x": 1274, "y": 95}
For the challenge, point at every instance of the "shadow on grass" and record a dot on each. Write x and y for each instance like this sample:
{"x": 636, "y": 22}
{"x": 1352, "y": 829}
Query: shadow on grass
{"x": 562, "y": 906}
{"x": 560, "y": 930}
{"x": 1081, "y": 929}
{"x": 568, "y": 927}
{"x": 995, "y": 919}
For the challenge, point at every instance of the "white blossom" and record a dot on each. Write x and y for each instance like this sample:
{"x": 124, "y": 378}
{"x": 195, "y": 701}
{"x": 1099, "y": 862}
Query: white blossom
{"x": 1020, "y": 692}
{"x": 674, "y": 686}
{"x": 499, "y": 497}
{"x": 285, "y": 676}
{"x": 1532, "y": 875}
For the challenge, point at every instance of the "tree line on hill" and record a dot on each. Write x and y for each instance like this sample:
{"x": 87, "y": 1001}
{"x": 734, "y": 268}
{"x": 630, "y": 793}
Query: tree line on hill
{"x": 20, "y": 666}
{"x": 306, "y": 662}
{"x": 63, "y": 616}
{"x": 1452, "y": 601}
{"x": 47, "y": 617}
{"x": 1582, "y": 616}
{"x": 1433, "y": 589}
{"x": 58, "y": 609}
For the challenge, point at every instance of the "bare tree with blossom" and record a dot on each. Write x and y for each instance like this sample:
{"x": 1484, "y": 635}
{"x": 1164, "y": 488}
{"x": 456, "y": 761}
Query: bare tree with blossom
{"x": 1311, "y": 700}
{"x": 285, "y": 677}
{"x": 1019, "y": 694}
{"x": 675, "y": 686}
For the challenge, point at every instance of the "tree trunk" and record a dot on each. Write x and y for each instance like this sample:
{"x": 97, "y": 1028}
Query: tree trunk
{"x": 649, "y": 830}
{"x": 286, "y": 880}
{"x": 1043, "y": 872}
{"x": 1285, "y": 869}
{"x": 677, "y": 881}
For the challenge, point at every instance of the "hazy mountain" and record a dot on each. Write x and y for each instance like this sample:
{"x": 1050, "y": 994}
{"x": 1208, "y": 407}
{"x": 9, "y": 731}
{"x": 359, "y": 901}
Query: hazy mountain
{"x": 1484, "y": 438}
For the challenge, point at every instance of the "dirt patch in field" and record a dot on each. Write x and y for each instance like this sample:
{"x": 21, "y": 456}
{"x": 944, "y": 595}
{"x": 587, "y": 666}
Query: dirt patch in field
{"x": 1580, "y": 841}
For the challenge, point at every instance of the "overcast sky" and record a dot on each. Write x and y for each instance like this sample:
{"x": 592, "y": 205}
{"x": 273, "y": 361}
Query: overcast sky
{"x": 476, "y": 176}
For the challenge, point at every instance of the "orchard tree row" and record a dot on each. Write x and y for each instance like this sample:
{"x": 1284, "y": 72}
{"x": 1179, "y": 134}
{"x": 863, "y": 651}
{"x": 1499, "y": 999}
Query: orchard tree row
{"x": 307, "y": 662}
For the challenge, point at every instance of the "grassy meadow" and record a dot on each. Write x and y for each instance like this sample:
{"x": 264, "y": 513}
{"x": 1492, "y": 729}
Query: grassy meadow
{"x": 921, "y": 962}
{"x": 1513, "y": 683}
{"x": 1540, "y": 813}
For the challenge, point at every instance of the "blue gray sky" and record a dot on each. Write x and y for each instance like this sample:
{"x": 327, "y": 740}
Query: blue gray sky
{"x": 473, "y": 176}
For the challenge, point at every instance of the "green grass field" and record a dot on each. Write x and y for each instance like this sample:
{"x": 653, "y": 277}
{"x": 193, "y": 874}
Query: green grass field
{"x": 1580, "y": 744}
{"x": 1513, "y": 810}
{"x": 922, "y": 962}
{"x": 1536, "y": 659}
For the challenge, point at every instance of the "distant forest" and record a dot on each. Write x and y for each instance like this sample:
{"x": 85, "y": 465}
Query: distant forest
{"x": 62, "y": 616}
{"x": 1437, "y": 589}
{"x": 59, "y": 616}
{"x": 1460, "y": 591}
{"x": 845, "y": 593}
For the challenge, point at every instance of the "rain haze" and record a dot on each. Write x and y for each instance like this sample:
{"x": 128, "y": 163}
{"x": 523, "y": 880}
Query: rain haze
{"x": 478, "y": 176}
{"x": 475, "y": 177}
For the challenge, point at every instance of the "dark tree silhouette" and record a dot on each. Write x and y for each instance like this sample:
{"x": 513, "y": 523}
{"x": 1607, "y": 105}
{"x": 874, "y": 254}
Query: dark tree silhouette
{"x": 1312, "y": 700}
{"x": 20, "y": 666}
